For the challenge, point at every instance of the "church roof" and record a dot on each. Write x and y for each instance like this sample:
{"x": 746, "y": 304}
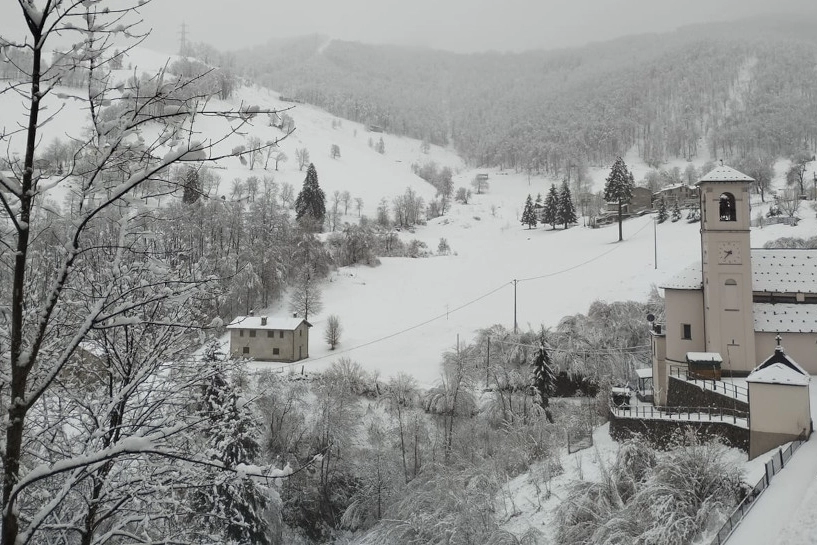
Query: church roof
{"x": 688, "y": 279}
{"x": 785, "y": 318}
{"x": 725, "y": 174}
{"x": 778, "y": 374}
{"x": 784, "y": 270}
{"x": 779, "y": 368}
{"x": 773, "y": 271}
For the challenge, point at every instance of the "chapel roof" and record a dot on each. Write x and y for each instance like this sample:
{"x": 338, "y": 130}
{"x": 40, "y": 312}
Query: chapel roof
{"x": 725, "y": 174}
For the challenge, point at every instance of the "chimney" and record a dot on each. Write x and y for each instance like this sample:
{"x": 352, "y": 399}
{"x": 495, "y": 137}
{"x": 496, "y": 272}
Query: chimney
{"x": 263, "y": 320}
{"x": 294, "y": 314}
{"x": 252, "y": 312}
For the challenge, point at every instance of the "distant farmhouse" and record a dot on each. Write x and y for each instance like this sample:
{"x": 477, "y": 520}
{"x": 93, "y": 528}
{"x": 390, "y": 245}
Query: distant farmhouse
{"x": 685, "y": 196}
{"x": 640, "y": 202}
{"x": 269, "y": 339}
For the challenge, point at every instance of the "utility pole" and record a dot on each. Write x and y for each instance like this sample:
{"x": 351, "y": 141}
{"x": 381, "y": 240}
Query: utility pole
{"x": 488, "y": 364}
{"x": 655, "y": 239}
{"x": 183, "y": 40}
{"x": 515, "y": 326}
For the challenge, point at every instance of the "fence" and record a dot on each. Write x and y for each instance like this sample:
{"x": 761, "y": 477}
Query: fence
{"x": 694, "y": 414}
{"x": 773, "y": 467}
{"x": 741, "y": 393}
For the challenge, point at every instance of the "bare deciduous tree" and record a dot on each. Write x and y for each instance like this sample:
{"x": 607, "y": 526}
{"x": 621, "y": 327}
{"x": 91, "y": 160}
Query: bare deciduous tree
{"x": 332, "y": 332}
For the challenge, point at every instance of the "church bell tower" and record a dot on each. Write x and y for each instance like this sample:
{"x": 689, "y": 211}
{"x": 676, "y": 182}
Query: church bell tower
{"x": 727, "y": 268}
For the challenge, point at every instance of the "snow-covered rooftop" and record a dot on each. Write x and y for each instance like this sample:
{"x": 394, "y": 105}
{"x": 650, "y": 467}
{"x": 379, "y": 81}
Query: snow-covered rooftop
{"x": 773, "y": 271}
{"x": 784, "y": 270}
{"x": 688, "y": 279}
{"x": 256, "y": 322}
{"x": 785, "y": 318}
{"x": 725, "y": 174}
{"x": 779, "y": 373}
{"x": 711, "y": 357}
{"x": 644, "y": 373}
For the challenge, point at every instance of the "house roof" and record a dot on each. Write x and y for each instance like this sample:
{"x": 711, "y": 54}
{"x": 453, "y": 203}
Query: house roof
{"x": 254, "y": 322}
{"x": 778, "y": 373}
{"x": 644, "y": 373}
{"x": 709, "y": 357}
{"x": 785, "y": 318}
{"x": 784, "y": 270}
{"x": 688, "y": 279}
{"x": 673, "y": 188}
{"x": 725, "y": 174}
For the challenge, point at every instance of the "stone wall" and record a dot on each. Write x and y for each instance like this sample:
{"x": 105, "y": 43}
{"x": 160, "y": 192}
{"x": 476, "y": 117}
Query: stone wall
{"x": 686, "y": 394}
{"x": 663, "y": 433}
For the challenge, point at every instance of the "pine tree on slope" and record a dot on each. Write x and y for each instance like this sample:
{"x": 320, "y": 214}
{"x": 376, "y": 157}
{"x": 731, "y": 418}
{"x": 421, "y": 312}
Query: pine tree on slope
{"x": 310, "y": 206}
{"x": 551, "y": 207}
{"x": 528, "y": 214}
{"x": 543, "y": 379}
{"x": 662, "y": 211}
{"x": 619, "y": 188}
{"x": 567, "y": 211}
{"x": 676, "y": 212}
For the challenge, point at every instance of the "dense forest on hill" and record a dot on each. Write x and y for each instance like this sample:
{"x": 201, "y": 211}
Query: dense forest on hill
{"x": 740, "y": 88}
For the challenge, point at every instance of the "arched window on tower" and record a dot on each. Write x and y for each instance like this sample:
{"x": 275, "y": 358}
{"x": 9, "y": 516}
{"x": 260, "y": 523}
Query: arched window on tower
{"x": 731, "y": 297}
{"x": 727, "y": 207}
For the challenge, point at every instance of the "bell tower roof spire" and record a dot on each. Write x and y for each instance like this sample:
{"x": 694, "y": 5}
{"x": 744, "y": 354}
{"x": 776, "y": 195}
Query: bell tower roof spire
{"x": 725, "y": 174}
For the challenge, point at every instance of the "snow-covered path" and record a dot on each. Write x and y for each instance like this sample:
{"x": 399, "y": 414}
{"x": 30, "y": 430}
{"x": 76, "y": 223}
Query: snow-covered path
{"x": 785, "y": 513}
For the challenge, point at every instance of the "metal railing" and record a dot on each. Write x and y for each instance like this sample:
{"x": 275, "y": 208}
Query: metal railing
{"x": 773, "y": 467}
{"x": 693, "y": 414}
{"x": 741, "y": 393}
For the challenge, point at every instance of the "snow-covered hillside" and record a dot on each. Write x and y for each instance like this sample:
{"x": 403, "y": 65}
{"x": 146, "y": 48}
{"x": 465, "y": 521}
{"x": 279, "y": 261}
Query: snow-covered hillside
{"x": 402, "y": 315}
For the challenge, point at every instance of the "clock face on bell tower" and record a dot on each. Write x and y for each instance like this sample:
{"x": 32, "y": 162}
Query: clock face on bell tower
{"x": 729, "y": 253}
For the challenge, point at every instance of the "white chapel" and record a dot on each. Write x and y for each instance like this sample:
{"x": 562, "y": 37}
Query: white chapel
{"x": 732, "y": 305}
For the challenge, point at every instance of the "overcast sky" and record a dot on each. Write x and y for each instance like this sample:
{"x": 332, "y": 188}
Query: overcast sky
{"x": 457, "y": 25}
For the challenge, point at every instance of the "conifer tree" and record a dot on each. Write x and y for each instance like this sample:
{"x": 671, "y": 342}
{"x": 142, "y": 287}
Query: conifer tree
{"x": 551, "y": 207}
{"x": 528, "y": 214}
{"x": 192, "y": 191}
{"x": 310, "y": 206}
{"x": 619, "y": 189}
{"x": 543, "y": 379}
{"x": 567, "y": 211}
{"x": 662, "y": 211}
{"x": 676, "y": 212}
{"x": 235, "y": 505}
{"x": 538, "y": 198}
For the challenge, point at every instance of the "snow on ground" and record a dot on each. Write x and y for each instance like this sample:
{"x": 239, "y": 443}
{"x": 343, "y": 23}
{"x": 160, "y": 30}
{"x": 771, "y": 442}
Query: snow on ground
{"x": 784, "y": 513}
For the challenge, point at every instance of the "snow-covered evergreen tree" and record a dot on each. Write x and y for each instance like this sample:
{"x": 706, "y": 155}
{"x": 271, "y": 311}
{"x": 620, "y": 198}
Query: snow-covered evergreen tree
{"x": 528, "y": 214}
{"x": 310, "y": 205}
{"x": 543, "y": 379}
{"x": 676, "y": 212}
{"x": 234, "y": 505}
{"x": 551, "y": 213}
{"x": 662, "y": 211}
{"x": 567, "y": 211}
{"x": 619, "y": 189}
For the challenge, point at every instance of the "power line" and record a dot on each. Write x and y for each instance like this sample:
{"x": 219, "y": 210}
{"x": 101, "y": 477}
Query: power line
{"x": 574, "y": 350}
{"x": 464, "y": 305}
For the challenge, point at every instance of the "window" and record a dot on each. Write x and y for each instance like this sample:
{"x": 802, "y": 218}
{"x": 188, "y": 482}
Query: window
{"x": 270, "y": 334}
{"x": 731, "y": 301}
{"x": 252, "y": 333}
{"x": 686, "y": 331}
{"x": 727, "y": 207}
{"x": 240, "y": 332}
{"x": 301, "y": 333}
{"x": 276, "y": 351}
{"x": 281, "y": 334}
{"x": 245, "y": 350}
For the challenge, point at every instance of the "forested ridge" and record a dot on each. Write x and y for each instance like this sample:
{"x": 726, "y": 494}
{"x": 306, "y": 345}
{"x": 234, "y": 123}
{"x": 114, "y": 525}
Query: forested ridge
{"x": 739, "y": 88}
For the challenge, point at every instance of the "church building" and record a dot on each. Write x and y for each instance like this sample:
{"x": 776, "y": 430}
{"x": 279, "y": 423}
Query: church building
{"x": 729, "y": 308}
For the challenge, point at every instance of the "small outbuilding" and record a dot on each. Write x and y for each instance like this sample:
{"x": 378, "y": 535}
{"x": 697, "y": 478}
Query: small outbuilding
{"x": 779, "y": 404}
{"x": 269, "y": 339}
{"x": 704, "y": 365}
